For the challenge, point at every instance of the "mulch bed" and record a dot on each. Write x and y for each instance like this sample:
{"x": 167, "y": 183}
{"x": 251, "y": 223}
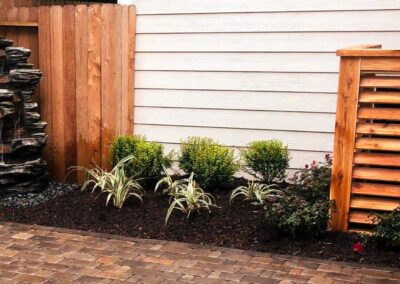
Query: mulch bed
{"x": 239, "y": 226}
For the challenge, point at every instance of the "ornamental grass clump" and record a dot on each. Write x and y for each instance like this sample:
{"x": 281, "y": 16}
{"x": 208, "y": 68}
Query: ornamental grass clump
{"x": 116, "y": 184}
{"x": 212, "y": 163}
{"x": 266, "y": 159}
{"x": 191, "y": 198}
{"x": 148, "y": 157}
{"x": 171, "y": 187}
{"x": 256, "y": 192}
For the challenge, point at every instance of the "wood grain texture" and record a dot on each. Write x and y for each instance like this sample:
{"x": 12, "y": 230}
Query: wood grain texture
{"x": 69, "y": 88}
{"x": 386, "y": 129}
{"x": 82, "y": 94}
{"x": 46, "y": 85}
{"x": 378, "y": 159}
{"x": 380, "y": 97}
{"x": 57, "y": 83}
{"x": 383, "y": 144}
{"x": 108, "y": 59}
{"x": 380, "y": 64}
{"x": 361, "y": 217}
{"x": 380, "y": 174}
{"x": 379, "y": 113}
{"x": 94, "y": 94}
{"x": 344, "y": 141}
{"x": 376, "y": 189}
{"x": 131, "y": 66}
{"x": 380, "y": 82}
{"x": 374, "y": 203}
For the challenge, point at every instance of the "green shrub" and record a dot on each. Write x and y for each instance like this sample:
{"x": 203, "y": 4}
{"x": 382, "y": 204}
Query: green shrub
{"x": 295, "y": 216}
{"x": 267, "y": 159}
{"x": 148, "y": 157}
{"x": 387, "y": 231}
{"x": 303, "y": 208}
{"x": 212, "y": 163}
{"x": 313, "y": 181}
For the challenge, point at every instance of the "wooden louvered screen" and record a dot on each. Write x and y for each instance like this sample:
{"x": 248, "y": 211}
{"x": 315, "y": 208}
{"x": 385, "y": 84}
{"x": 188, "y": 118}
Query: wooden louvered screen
{"x": 366, "y": 162}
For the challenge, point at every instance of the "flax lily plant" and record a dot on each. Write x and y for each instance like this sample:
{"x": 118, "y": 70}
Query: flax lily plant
{"x": 172, "y": 187}
{"x": 256, "y": 192}
{"x": 116, "y": 184}
{"x": 190, "y": 198}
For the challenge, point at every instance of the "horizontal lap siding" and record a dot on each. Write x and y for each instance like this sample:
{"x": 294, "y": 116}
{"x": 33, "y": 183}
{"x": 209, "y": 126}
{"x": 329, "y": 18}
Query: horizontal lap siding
{"x": 238, "y": 70}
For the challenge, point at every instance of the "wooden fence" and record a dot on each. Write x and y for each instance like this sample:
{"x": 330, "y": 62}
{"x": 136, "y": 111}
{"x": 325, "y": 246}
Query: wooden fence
{"x": 86, "y": 53}
{"x": 366, "y": 173}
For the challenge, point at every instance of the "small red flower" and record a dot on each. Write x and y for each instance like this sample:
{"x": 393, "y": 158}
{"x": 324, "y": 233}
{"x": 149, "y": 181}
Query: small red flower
{"x": 358, "y": 247}
{"x": 306, "y": 166}
{"x": 314, "y": 162}
{"x": 327, "y": 156}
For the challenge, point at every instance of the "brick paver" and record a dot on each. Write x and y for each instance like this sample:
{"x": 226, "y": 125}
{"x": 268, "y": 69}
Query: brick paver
{"x": 35, "y": 254}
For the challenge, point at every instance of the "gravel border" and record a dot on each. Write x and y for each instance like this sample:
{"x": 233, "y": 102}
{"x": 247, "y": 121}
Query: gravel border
{"x": 20, "y": 200}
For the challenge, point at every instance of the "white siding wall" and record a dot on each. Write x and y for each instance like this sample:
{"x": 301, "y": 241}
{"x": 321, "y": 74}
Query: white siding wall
{"x": 240, "y": 70}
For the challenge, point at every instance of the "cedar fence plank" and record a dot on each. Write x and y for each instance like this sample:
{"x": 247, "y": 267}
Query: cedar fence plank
{"x": 82, "y": 94}
{"x": 57, "y": 82}
{"x": 69, "y": 87}
{"x": 93, "y": 138}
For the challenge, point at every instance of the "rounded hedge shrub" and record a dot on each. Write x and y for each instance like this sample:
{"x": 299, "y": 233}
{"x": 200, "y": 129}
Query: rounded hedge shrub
{"x": 213, "y": 164}
{"x": 267, "y": 159}
{"x": 148, "y": 156}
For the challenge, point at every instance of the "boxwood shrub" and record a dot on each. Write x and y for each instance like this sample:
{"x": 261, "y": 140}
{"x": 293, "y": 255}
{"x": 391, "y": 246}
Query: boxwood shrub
{"x": 212, "y": 163}
{"x": 267, "y": 159}
{"x": 148, "y": 156}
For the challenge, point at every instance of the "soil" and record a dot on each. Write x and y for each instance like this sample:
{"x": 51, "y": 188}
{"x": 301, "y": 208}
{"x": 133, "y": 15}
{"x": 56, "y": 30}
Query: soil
{"x": 239, "y": 226}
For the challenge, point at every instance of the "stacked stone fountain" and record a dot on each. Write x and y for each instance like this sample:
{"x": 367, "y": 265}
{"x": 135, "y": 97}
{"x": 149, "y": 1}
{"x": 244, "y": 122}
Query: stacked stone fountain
{"x": 22, "y": 136}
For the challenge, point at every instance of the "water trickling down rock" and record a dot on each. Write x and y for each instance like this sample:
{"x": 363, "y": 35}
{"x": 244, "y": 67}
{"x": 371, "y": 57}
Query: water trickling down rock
{"x": 22, "y": 136}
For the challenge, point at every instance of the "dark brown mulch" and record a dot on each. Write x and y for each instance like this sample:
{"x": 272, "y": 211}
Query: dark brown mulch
{"x": 239, "y": 226}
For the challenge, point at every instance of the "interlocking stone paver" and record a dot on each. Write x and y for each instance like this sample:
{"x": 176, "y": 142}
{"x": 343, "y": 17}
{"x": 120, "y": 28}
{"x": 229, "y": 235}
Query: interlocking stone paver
{"x": 35, "y": 254}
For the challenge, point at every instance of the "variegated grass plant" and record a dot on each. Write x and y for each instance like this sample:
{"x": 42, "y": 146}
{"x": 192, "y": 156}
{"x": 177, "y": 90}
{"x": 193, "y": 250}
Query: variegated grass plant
{"x": 190, "y": 198}
{"x": 256, "y": 192}
{"x": 116, "y": 184}
{"x": 171, "y": 187}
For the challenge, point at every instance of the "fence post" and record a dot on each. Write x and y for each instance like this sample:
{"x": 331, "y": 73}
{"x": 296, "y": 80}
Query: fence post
{"x": 346, "y": 117}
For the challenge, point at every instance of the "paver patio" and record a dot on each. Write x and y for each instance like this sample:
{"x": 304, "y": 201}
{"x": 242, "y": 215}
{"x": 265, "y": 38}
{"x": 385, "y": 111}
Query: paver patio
{"x": 35, "y": 254}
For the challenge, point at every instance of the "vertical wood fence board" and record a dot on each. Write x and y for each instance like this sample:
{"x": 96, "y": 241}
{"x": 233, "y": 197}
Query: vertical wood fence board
{"x": 57, "y": 83}
{"x": 346, "y": 115}
{"x": 108, "y": 60}
{"x": 82, "y": 91}
{"x": 45, "y": 84}
{"x": 94, "y": 85}
{"x": 69, "y": 87}
{"x": 131, "y": 66}
{"x": 117, "y": 39}
{"x": 124, "y": 73}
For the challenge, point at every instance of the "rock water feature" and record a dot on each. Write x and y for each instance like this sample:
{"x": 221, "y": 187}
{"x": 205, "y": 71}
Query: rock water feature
{"x": 22, "y": 136}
